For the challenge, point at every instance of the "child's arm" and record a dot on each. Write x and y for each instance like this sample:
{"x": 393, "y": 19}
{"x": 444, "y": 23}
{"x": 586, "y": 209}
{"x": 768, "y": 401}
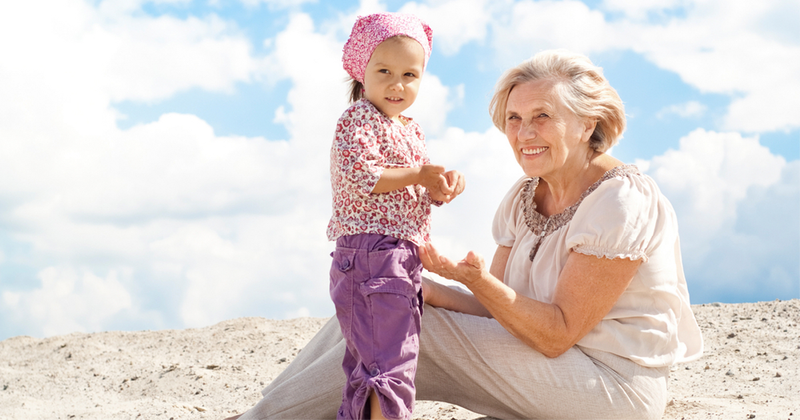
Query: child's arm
{"x": 432, "y": 177}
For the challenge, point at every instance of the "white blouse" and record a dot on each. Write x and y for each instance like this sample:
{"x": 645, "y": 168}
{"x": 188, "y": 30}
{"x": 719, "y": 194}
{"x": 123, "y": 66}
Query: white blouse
{"x": 623, "y": 215}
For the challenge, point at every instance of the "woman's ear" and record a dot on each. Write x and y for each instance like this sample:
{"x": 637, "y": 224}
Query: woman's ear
{"x": 589, "y": 124}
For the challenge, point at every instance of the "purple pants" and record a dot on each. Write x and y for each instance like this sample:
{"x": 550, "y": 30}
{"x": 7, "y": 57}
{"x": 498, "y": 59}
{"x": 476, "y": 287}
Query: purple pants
{"x": 376, "y": 287}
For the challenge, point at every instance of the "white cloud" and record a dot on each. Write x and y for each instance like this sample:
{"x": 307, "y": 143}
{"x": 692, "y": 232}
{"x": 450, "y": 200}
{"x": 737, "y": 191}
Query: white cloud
{"x": 691, "y": 109}
{"x": 707, "y": 179}
{"x": 489, "y": 167}
{"x": 274, "y": 4}
{"x": 528, "y": 27}
{"x": 755, "y": 257}
{"x": 434, "y": 102}
{"x": 213, "y": 226}
{"x": 169, "y": 203}
{"x": 69, "y": 301}
{"x": 455, "y": 23}
{"x": 640, "y": 9}
{"x": 719, "y": 47}
{"x": 730, "y": 48}
{"x": 182, "y": 227}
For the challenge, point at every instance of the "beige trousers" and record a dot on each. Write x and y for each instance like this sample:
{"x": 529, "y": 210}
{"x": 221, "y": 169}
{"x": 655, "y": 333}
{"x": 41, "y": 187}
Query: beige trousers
{"x": 475, "y": 363}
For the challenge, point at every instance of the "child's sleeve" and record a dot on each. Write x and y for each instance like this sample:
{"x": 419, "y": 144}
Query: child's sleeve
{"x": 355, "y": 156}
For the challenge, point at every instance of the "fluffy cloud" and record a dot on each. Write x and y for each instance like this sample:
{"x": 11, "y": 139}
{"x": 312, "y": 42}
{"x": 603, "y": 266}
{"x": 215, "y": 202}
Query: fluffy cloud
{"x": 68, "y": 301}
{"x": 642, "y": 9}
{"x": 721, "y": 47}
{"x": 731, "y": 194}
{"x": 456, "y": 22}
{"x": 193, "y": 220}
{"x": 691, "y": 109}
{"x": 488, "y": 164}
{"x": 527, "y": 27}
{"x": 715, "y": 46}
{"x": 168, "y": 224}
{"x": 204, "y": 227}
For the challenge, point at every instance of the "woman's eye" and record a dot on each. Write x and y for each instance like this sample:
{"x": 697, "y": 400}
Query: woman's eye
{"x": 543, "y": 115}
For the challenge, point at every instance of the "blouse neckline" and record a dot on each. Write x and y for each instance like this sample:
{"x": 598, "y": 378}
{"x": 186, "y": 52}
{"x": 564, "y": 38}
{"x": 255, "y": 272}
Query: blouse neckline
{"x": 541, "y": 225}
{"x": 404, "y": 121}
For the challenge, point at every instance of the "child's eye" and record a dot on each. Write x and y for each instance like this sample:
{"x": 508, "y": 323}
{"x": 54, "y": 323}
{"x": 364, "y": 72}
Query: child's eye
{"x": 385, "y": 71}
{"x": 409, "y": 74}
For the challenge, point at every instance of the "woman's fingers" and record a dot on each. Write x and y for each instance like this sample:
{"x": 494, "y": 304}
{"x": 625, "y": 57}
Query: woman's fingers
{"x": 475, "y": 260}
{"x": 435, "y": 263}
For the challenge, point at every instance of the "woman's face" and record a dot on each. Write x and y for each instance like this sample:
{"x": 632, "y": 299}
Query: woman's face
{"x": 548, "y": 139}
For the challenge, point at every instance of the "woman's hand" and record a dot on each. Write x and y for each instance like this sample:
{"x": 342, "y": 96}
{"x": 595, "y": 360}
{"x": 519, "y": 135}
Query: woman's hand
{"x": 466, "y": 271}
{"x": 442, "y": 296}
{"x": 587, "y": 289}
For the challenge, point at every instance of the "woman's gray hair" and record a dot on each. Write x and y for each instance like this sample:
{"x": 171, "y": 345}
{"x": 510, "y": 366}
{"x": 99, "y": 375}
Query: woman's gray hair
{"x": 580, "y": 85}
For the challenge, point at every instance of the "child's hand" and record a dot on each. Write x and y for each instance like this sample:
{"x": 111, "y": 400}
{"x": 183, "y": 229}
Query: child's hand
{"x": 432, "y": 177}
{"x": 455, "y": 185}
{"x": 451, "y": 184}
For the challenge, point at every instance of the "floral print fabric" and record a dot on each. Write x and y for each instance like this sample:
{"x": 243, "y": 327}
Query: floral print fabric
{"x": 365, "y": 143}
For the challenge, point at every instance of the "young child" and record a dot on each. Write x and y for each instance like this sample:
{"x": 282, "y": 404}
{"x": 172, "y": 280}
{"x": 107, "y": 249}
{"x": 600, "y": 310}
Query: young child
{"x": 383, "y": 186}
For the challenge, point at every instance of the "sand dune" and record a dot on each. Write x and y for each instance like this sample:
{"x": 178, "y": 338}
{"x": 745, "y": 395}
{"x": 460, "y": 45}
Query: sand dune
{"x": 751, "y": 369}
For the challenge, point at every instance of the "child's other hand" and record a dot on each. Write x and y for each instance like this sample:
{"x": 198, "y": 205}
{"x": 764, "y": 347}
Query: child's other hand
{"x": 451, "y": 185}
{"x": 455, "y": 185}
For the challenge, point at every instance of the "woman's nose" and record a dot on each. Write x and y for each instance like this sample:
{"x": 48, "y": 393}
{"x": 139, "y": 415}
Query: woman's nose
{"x": 526, "y": 130}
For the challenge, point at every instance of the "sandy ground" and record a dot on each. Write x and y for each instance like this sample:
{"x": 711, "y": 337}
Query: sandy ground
{"x": 750, "y": 369}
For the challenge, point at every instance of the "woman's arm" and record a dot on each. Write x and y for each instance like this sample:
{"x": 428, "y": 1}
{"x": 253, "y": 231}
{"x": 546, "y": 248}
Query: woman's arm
{"x": 587, "y": 289}
{"x": 442, "y": 296}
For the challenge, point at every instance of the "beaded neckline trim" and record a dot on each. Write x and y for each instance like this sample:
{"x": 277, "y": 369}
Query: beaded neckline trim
{"x": 542, "y": 226}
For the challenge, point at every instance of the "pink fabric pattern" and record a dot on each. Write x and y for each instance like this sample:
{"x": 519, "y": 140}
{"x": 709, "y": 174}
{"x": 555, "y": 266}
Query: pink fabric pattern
{"x": 370, "y": 31}
{"x": 366, "y": 142}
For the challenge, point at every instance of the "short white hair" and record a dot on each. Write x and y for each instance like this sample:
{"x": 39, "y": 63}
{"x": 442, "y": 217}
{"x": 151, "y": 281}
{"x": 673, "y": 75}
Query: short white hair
{"x": 581, "y": 87}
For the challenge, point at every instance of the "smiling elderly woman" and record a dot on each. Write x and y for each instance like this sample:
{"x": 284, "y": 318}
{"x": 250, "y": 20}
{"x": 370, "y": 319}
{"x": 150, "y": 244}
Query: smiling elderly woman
{"x": 585, "y": 305}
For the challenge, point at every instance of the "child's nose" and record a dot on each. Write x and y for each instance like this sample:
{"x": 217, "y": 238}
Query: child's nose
{"x": 397, "y": 84}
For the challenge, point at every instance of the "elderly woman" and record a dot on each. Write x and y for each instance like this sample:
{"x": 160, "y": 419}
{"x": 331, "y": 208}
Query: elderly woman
{"x": 584, "y": 307}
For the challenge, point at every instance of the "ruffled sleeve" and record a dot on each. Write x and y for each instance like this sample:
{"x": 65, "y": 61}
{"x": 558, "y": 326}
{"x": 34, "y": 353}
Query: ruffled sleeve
{"x": 622, "y": 218}
{"x": 509, "y": 215}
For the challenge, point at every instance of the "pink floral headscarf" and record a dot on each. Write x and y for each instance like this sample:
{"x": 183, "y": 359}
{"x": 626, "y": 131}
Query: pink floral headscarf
{"x": 370, "y": 31}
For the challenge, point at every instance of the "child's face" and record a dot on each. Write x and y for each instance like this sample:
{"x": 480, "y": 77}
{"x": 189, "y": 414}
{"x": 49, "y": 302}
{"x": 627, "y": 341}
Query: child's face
{"x": 393, "y": 75}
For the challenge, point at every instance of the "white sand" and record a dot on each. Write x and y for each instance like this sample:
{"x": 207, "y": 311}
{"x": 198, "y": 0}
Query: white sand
{"x": 750, "y": 370}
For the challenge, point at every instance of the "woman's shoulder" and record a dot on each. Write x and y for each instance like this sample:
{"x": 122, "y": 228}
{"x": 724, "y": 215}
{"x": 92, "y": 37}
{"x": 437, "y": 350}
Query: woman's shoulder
{"x": 626, "y": 180}
{"x": 624, "y": 196}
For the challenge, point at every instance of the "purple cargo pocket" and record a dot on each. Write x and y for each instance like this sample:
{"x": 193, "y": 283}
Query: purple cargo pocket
{"x": 394, "y": 303}
{"x": 342, "y": 288}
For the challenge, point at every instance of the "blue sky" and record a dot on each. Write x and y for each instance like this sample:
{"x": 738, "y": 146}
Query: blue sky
{"x": 163, "y": 164}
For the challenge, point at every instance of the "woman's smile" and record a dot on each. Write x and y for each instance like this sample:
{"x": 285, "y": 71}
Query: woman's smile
{"x": 534, "y": 151}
